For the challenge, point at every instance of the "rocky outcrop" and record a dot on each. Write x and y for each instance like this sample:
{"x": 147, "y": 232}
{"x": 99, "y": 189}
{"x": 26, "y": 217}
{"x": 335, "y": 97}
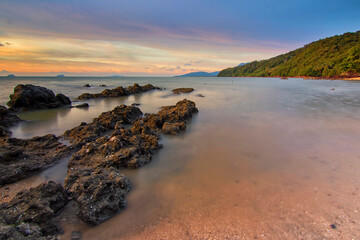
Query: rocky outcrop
{"x": 20, "y": 158}
{"x": 100, "y": 193}
{"x": 94, "y": 179}
{"x": 7, "y": 120}
{"x": 182, "y": 90}
{"x": 87, "y": 132}
{"x": 123, "y": 149}
{"x": 118, "y": 92}
{"x": 30, "y": 97}
{"x": 169, "y": 120}
{"x": 31, "y": 213}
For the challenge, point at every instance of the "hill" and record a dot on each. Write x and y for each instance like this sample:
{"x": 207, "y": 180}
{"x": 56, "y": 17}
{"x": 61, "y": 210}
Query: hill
{"x": 337, "y": 56}
{"x": 200, "y": 74}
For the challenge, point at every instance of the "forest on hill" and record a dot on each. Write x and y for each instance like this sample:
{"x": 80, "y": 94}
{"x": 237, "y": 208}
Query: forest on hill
{"x": 337, "y": 56}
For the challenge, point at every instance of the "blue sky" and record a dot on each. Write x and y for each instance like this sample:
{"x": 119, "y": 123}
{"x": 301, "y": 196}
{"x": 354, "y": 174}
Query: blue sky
{"x": 159, "y": 37}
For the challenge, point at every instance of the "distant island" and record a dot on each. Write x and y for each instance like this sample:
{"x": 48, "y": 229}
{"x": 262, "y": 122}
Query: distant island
{"x": 332, "y": 57}
{"x": 60, "y": 75}
{"x": 11, "y": 75}
{"x": 200, "y": 74}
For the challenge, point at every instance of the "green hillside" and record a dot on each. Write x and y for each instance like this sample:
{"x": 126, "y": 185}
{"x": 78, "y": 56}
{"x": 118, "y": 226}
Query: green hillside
{"x": 337, "y": 56}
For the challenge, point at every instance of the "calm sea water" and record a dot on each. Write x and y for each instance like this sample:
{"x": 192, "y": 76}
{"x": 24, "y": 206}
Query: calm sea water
{"x": 264, "y": 158}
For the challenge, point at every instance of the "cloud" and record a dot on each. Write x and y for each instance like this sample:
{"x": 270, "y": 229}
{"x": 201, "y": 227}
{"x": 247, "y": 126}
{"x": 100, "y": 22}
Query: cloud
{"x": 187, "y": 64}
{"x": 1, "y": 45}
{"x": 7, "y": 43}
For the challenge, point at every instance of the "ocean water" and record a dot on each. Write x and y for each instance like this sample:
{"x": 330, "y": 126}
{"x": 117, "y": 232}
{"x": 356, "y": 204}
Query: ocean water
{"x": 263, "y": 159}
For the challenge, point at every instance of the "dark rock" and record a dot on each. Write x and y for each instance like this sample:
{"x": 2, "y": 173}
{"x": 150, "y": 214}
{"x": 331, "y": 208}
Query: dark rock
{"x": 199, "y": 95}
{"x": 118, "y": 92}
{"x": 135, "y": 104}
{"x": 83, "y": 105}
{"x": 106, "y": 121}
{"x": 30, "y": 214}
{"x": 20, "y": 158}
{"x": 102, "y": 85}
{"x": 99, "y": 193}
{"x": 87, "y": 85}
{"x": 7, "y": 118}
{"x": 182, "y": 90}
{"x": 333, "y": 226}
{"x": 63, "y": 99}
{"x": 30, "y": 97}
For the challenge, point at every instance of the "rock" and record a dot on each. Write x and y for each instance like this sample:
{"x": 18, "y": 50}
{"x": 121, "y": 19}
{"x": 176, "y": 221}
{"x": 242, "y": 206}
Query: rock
{"x": 169, "y": 120}
{"x": 87, "y": 85}
{"x": 7, "y": 118}
{"x": 84, "y": 133}
{"x": 106, "y": 121}
{"x": 123, "y": 149}
{"x": 173, "y": 128}
{"x": 102, "y": 85}
{"x": 182, "y": 90}
{"x": 20, "y": 158}
{"x": 199, "y": 95}
{"x": 30, "y": 97}
{"x": 83, "y": 105}
{"x": 63, "y": 99}
{"x": 135, "y": 104}
{"x": 31, "y": 213}
{"x": 94, "y": 180}
{"x": 118, "y": 92}
{"x": 99, "y": 193}
{"x": 333, "y": 226}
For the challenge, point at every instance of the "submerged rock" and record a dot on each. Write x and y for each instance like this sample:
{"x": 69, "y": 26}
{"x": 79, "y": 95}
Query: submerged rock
{"x": 83, "y": 105}
{"x": 30, "y": 97}
{"x": 31, "y": 213}
{"x": 118, "y": 92}
{"x": 87, "y": 85}
{"x": 20, "y": 158}
{"x": 100, "y": 193}
{"x": 182, "y": 90}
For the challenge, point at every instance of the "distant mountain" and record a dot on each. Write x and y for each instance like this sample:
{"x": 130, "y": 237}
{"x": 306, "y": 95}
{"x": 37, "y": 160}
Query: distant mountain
{"x": 61, "y": 75}
{"x": 200, "y": 74}
{"x": 332, "y": 57}
{"x": 11, "y": 75}
{"x": 116, "y": 76}
{"x": 241, "y": 64}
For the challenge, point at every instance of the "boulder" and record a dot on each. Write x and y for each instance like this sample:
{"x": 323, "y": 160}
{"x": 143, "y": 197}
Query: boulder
{"x": 30, "y": 97}
{"x": 31, "y": 213}
{"x": 100, "y": 193}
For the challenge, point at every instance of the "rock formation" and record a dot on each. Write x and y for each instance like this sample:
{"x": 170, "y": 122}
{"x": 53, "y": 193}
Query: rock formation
{"x": 118, "y": 92}
{"x": 30, "y": 97}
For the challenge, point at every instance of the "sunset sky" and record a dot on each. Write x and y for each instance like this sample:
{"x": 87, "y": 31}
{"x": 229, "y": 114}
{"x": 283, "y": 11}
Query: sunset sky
{"x": 159, "y": 37}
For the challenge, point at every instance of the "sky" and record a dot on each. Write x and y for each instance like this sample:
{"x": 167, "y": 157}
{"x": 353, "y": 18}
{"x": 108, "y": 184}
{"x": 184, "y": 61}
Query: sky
{"x": 159, "y": 37}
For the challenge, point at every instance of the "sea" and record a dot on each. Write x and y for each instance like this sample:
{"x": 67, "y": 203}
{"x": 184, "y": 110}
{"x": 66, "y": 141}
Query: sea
{"x": 264, "y": 158}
